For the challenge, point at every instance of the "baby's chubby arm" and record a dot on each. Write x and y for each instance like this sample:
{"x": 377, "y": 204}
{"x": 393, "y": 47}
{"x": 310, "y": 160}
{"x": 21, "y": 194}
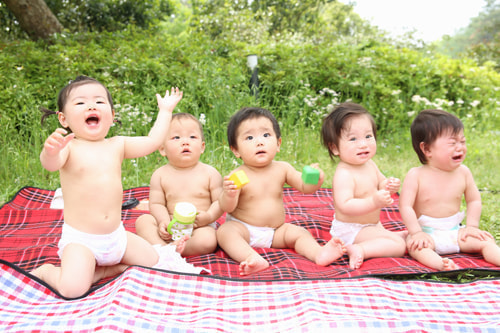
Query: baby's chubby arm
{"x": 474, "y": 206}
{"x": 158, "y": 205}
{"x": 419, "y": 239}
{"x": 55, "y": 150}
{"x": 145, "y": 145}
{"x": 214, "y": 211}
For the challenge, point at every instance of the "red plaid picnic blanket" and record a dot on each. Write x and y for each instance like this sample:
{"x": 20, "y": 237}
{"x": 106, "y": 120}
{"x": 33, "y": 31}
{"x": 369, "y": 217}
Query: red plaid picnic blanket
{"x": 30, "y": 230}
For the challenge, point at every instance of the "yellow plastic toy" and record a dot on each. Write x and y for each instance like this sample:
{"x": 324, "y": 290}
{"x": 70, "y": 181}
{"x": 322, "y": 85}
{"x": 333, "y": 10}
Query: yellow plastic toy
{"x": 239, "y": 178}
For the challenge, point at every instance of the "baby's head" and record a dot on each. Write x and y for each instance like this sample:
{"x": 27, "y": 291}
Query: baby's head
{"x": 245, "y": 114}
{"x": 64, "y": 93}
{"x": 338, "y": 121}
{"x": 429, "y": 125}
{"x": 184, "y": 142}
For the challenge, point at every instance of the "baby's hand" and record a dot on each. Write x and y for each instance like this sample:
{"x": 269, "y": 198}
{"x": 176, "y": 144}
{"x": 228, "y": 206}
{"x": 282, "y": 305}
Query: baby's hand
{"x": 482, "y": 235}
{"x": 393, "y": 185}
{"x": 382, "y": 198}
{"x": 419, "y": 241}
{"x": 169, "y": 102}
{"x": 321, "y": 173}
{"x": 57, "y": 141}
{"x": 162, "y": 231}
{"x": 202, "y": 219}
{"x": 229, "y": 187}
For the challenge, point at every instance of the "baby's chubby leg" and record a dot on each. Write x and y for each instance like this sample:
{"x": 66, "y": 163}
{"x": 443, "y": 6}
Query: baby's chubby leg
{"x": 294, "y": 237}
{"x": 76, "y": 274}
{"x": 233, "y": 237}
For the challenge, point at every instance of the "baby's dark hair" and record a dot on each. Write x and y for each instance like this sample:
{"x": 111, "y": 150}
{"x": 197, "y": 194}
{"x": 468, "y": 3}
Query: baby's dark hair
{"x": 335, "y": 122}
{"x": 429, "y": 125}
{"x": 184, "y": 115}
{"x": 64, "y": 93}
{"x": 249, "y": 113}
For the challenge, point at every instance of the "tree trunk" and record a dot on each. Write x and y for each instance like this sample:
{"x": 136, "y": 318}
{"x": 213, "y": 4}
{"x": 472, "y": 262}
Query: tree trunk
{"x": 34, "y": 17}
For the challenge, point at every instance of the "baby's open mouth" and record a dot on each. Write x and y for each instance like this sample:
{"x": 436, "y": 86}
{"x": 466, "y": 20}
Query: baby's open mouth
{"x": 92, "y": 120}
{"x": 457, "y": 157}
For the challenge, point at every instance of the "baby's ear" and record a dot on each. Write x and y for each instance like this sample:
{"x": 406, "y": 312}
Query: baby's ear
{"x": 333, "y": 148}
{"x": 423, "y": 147}
{"x": 235, "y": 152}
{"x": 162, "y": 150}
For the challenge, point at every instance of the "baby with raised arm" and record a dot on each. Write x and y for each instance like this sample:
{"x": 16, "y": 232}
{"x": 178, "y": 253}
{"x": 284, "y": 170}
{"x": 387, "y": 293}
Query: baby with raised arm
{"x": 183, "y": 179}
{"x": 94, "y": 241}
{"x": 255, "y": 212}
{"x": 359, "y": 189}
{"x": 432, "y": 195}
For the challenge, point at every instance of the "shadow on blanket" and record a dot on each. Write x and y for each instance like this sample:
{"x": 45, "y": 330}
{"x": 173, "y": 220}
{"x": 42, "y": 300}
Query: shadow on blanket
{"x": 30, "y": 230}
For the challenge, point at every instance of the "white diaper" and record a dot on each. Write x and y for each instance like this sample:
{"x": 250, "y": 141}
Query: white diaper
{"x": 347, "y": 231}
{"x": 444, "y": 231}
{"x": 259, "y": 236}
{"x": 108, "y": 249}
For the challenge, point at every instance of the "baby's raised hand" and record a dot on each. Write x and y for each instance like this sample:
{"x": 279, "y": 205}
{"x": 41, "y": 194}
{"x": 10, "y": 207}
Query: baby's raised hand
{"x": 393, "y": 185}
{"x": 169, "y": 102}
{"x": 382, "y": 198}
{"x": 57, "y": 141}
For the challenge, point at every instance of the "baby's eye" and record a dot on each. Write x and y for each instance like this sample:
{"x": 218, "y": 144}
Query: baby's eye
{"x": 369, "y": 136}
{"x": 267, "y": 135}
{"x": 193, "y": 137}
{"x": 351, "y": 139}
{"x": 176, "y": 137}
{"x": 250, "y": 137}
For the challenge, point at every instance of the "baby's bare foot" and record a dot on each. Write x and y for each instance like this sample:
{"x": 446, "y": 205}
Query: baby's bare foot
{"x": 449, "y": 265}
{"x": 253, "y": 264}
{"x": 40, "y": 271}
{"x": 330, "y": 252}
{"x": 356, "y": 256}
{"x": 180, "y": 244}
{"x": 102, "y": 272}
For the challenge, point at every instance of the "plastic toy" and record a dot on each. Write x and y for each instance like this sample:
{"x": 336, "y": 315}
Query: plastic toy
{"x": 182, "y": 221}
{"x": 239, "y": 178}
{"x": 310, "y": 175}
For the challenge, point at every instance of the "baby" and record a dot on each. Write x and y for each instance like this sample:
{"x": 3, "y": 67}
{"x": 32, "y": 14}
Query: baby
{"x": 183, "y": 179}
{"x": 94, "y": 243}
{"x": 432, "y": 195}
{"x": 360, "y": 190}
{"x": 256, "y": 214}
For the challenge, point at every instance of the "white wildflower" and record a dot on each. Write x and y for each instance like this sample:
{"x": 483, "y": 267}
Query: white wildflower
{"x": 203, "y": 120}
{"x": 475, "y": 103}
